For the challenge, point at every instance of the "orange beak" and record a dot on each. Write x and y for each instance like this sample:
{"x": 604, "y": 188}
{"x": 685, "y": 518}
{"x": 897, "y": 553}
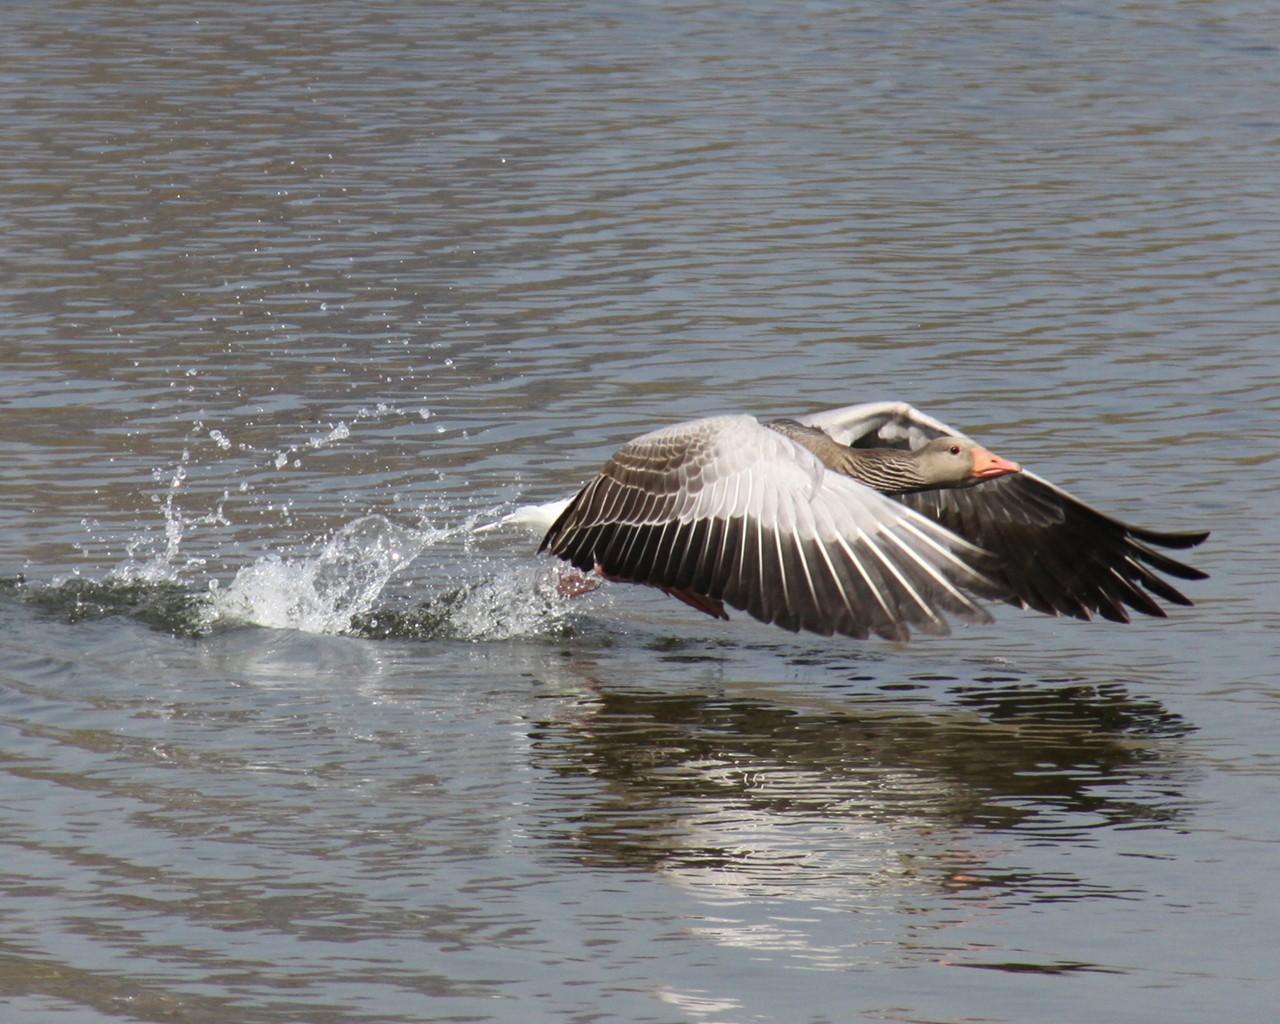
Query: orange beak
{"x": 987, "y": 466}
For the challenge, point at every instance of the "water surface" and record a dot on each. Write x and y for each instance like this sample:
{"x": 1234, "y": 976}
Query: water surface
{"x": 293, "y": 296}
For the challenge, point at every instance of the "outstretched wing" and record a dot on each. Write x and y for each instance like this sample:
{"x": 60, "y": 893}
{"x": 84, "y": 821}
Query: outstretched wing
{"x": 1058, "y": 554}
{"x": 728, "y": 509}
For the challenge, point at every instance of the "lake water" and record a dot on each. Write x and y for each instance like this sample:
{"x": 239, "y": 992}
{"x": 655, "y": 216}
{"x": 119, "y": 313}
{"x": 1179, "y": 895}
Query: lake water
{"x": 295, "y": 295}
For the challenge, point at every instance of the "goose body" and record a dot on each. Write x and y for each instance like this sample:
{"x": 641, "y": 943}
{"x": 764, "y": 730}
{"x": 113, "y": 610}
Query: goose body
{"x": 866, "y": 519}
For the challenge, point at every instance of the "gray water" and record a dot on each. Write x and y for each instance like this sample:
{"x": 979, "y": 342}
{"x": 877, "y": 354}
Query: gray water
{"x": 295, "y": 295}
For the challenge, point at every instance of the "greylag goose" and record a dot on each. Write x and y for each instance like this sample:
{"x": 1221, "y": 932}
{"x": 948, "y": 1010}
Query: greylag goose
{"x": 865, "y": 519}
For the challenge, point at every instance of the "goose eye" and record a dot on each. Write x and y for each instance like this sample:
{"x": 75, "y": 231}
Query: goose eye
{"x": 954, "y": 449}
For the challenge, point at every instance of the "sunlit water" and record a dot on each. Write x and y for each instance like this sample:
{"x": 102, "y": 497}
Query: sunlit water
{"x": 295, "y": 297}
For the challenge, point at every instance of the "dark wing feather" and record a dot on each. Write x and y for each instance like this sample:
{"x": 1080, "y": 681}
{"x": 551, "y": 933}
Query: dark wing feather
{"x": 732, "y": 511}
{"x": 1059, "y": 555}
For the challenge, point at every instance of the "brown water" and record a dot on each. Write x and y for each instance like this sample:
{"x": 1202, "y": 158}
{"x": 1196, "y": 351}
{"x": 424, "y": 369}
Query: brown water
{"x": 294, "y": 295}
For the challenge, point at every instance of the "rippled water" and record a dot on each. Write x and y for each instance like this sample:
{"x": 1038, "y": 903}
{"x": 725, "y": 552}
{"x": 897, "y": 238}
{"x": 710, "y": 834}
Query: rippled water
{"x": 295, "y": 296}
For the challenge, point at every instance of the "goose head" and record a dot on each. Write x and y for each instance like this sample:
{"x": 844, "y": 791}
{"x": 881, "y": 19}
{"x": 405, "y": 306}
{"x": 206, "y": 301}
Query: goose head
{"x": 957, "y": 462}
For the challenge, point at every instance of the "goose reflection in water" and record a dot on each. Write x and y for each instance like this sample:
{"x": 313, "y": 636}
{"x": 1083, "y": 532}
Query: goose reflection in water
{"x": 865, "y": 800}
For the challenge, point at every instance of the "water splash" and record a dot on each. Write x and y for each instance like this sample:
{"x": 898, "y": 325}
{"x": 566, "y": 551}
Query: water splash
{"x": 342, "y": 588}
{"x": 321, "y": 592}
{"x": 499, "y": 606}
{"x": 372, "y": 577}
{"x": 336, "y": 586}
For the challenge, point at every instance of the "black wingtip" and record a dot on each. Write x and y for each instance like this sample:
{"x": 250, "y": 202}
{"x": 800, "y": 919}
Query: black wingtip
{"x": 1175, "y": 539}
